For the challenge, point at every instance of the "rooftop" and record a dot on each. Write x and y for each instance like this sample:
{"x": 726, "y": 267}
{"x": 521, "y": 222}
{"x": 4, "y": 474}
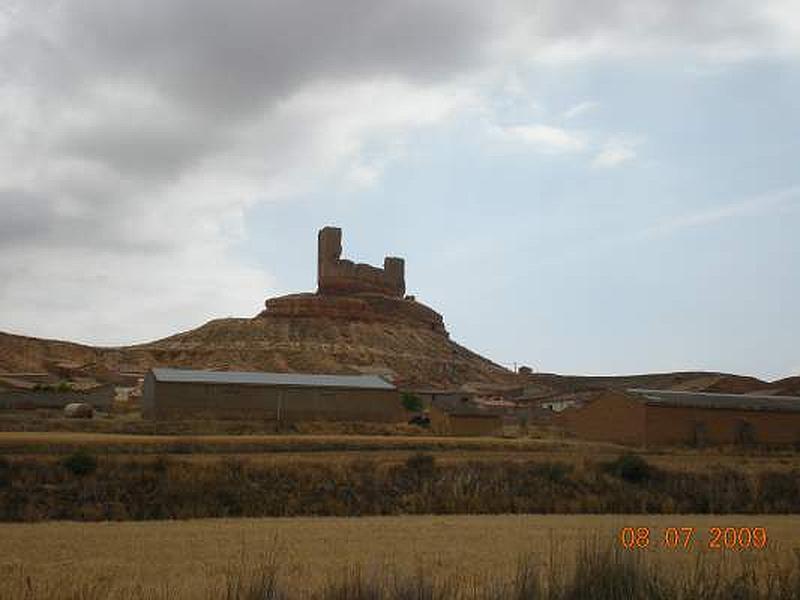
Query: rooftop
{"x": 709, "y": 400}
{"x": 284, "y": 379}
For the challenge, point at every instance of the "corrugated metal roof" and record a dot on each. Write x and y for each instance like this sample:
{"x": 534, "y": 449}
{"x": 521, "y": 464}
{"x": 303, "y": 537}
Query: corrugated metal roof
{"x": 284, "y": 379}
{"x": 709, "y": 400}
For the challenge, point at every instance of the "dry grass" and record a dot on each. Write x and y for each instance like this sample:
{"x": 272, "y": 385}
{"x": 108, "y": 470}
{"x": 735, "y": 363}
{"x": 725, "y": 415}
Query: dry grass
{"x": 384, "y": 449}
{"x": 84, "y": 487}
{"x": 44, "y": 420}
{"x": 64, "y": 442}
{"x": 196, "y": 559}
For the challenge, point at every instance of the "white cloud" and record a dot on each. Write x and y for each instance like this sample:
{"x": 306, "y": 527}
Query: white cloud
{"x": 560, "y": 31}
{"x": 616, "y": 151}
{"x": 580, "y": 109}
{"x": 740, "y": 208}
{"x": 544, "y": 138}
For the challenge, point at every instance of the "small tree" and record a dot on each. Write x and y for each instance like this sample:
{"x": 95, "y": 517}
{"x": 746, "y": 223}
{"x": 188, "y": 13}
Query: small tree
{"x": 631, "y": 468}
{"x": 411, "y": 402}
{"x": 80, "y": 463}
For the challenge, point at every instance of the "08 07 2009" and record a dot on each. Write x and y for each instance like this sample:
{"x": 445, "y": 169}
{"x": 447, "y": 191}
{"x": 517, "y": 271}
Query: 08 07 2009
{"x": 682, "y": 537}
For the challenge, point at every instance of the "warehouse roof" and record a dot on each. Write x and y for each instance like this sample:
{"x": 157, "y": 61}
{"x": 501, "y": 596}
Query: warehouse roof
{"x": 708, "y": 400}
{"x": 255, "y": 378}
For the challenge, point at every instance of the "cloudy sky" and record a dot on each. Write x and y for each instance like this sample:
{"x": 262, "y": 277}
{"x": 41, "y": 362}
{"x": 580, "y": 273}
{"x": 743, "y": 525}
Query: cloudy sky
{"x": 582, "y": 186}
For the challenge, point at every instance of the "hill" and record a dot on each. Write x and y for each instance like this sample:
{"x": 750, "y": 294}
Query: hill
{"x": 409, "y": 353}
{"x": 358, "y": 320}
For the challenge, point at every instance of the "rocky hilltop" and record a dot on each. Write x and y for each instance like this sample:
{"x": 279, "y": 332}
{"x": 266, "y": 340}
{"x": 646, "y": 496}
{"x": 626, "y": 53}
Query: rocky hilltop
{"x": 358, "y": 320}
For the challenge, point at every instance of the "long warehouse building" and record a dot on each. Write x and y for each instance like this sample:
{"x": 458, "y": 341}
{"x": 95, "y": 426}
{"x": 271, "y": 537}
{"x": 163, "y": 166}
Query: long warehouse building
{"x": 289, "y": 397}
{"x": 643, "y": 417}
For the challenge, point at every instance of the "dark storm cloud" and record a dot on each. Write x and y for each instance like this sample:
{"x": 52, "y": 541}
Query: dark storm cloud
{"x": 151, "y": 88}
{"x": 33, "y": 220}
{"x": 232, "y": 57}
{"x": 154, "y": 148}
{"x": 25, "y": 216}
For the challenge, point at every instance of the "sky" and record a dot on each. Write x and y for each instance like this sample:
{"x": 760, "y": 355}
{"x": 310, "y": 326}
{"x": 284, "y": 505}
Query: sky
{"x": 600, "y": 187}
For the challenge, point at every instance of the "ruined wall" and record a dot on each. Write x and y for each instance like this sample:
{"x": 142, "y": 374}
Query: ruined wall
{"x": 338, "y": 276}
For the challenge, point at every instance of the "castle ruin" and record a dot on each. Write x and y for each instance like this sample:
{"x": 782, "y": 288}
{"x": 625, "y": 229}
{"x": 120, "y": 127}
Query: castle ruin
{"x": 336, "y": 275}
{"x": 355, "y": 291}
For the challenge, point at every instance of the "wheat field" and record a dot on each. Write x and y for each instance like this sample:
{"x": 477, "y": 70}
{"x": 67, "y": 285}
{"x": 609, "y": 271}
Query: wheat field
{"x": 190, "y": 557}
{"x": 386, "y": 449}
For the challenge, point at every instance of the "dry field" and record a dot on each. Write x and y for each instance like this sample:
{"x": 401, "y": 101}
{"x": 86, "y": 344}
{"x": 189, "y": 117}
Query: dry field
{"x": 191, "y": 557}
{"x": 389, "y": 449}
{"x": 17, "y": 439}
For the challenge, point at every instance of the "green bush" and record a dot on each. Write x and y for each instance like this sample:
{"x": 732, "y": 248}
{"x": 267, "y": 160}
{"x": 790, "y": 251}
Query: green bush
{"x": 631, "y": 468}
{"x": 80, "y": 463}
{"x": 411, "y": 402}
{"x": 63, "y": 387}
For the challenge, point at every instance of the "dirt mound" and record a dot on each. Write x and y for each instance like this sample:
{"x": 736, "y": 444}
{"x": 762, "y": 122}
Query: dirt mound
{"x": 736, "y": 384}
{"x": 22, "y": 354}
{"x": 790, "y": 386}
{"x": 549, "y": 384}
{"x": 322, "y": 345}
{"x": 409, "y": 353}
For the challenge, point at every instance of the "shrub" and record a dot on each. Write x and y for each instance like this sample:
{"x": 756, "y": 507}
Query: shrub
{"x": 5, "y": 472}
{"x": 778, "y": 489}
{"x": 80, "y": 463}
{"x": 631, "y": 468}
{"x": 161, "y": 464}
{"x": 411, "y": 402}
{"x": 555, "y": 472}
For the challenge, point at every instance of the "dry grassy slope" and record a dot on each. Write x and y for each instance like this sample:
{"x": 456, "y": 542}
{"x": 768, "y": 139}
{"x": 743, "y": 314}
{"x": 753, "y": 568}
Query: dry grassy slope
{"x": 698, "y": 381}
{"x": 321, "y": 345}
{"x": 29, "y": 354}
{"x": 786, "y": 387}
{"x": 416, "y": 355}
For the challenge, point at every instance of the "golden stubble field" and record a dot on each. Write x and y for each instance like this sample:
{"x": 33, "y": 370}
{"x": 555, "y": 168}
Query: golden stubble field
{"x": 384, "y": 449}
{"x": 190, "y": 556}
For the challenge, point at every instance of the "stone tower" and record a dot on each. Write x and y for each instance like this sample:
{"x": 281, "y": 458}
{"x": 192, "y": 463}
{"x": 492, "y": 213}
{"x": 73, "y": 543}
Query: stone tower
{"x": 336, "y": 275}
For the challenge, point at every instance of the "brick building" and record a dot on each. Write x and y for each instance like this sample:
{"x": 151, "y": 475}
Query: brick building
{"x": 455, "y": 414}
{"x": 285, "y": 397}
{"x": 661, "y": 417}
